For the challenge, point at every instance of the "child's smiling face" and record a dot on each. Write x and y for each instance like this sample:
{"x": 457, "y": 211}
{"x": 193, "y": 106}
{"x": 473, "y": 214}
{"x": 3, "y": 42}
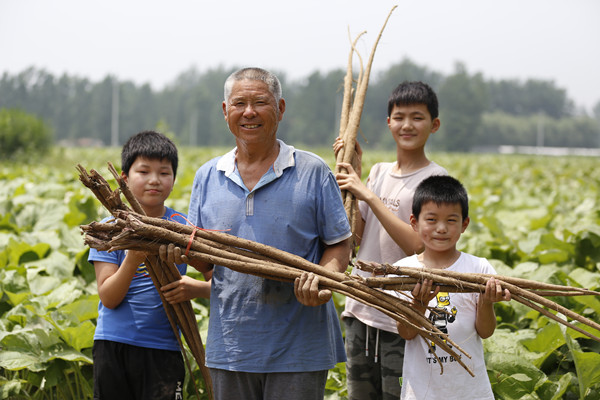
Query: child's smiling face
{"x": 440, "y": 225}
{"x": 411, "y": 125}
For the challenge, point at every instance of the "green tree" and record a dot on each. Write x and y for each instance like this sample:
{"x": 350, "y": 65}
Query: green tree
{"x": 463, "y": 99}
{"x": 532, "y": 97}
{"x": 22, "y": 134}
{"x": 312, "y": 115}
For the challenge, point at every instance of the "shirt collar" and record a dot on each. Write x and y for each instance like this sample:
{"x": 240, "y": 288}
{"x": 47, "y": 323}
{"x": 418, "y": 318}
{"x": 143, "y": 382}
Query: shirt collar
{"x": 284, "y": 160}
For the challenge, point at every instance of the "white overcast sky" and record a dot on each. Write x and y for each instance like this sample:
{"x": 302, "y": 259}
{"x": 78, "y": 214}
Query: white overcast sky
{"x": 149, "y": 41}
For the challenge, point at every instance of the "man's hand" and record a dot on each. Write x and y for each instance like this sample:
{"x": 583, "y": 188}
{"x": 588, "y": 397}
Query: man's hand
{"x": 172, "y": 254}
{"x": 306, "y": 288}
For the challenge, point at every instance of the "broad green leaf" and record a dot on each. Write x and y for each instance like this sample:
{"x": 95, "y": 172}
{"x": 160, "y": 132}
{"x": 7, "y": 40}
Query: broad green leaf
{"x": 85, "y": 268}
{"x": 65, "y": 353}
{"x": 546, "y": 341}
{"x": 553, "y": 256}
{"x": 16, "y": 298}
{"x": 555, "y": 390}
{"x": 589, "y": 301}
{"x": 585, "y": 278}
{"x": 587, "y": 365}
{"x": 42, "y": 284}
{"x": 14, "y": 360}
{"x": 529, "y": 244}
{"x": 575, "y": 334}
{"x": 588, "y": 369}
{"x": 21, "y": 252}
{"x": 71, "y": 238}
{"x": 32, "y": 340}
{"x": 79, "y": 337}
{"x": 67, "y": 293}
{"x": 83, "y": 309}
{"x": 513, "y": 377}
{"x": 6, "y": 224}
{"x": 10, "y": 388}
{"x": 57, "y": 265}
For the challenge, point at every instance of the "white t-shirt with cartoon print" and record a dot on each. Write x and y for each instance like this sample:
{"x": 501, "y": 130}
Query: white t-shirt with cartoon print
{"x": 421, "y": 371}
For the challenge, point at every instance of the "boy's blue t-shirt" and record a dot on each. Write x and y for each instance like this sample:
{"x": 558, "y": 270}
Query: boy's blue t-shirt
{"x": 140, "y": 319}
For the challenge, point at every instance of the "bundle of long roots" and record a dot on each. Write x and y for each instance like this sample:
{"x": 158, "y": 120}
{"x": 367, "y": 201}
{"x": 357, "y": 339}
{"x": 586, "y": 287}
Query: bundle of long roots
{"x": 353, "y": 101}
{"x": 390, "y": 295}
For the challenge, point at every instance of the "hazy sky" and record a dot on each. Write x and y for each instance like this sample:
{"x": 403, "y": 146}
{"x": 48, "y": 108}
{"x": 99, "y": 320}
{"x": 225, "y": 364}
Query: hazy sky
{"x": 154, "y": 41}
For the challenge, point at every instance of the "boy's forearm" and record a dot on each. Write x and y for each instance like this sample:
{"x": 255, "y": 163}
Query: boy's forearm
{"x": 114, "y": 281}
{"x": 400, "y": 232}
{"x": 485, "y": 322}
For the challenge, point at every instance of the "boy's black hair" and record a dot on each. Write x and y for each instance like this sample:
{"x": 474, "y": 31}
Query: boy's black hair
{"x": 151, "y": 145}
{"x": 416, "y": 92}
{"x": 440, "y": 189}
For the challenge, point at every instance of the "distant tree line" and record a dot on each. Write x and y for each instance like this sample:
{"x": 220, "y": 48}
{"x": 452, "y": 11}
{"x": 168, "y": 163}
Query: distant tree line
{"x": 475, "y": 112}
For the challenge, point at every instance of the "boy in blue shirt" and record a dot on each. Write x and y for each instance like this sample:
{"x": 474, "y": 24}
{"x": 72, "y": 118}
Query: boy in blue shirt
{"x": 136, "y": 353}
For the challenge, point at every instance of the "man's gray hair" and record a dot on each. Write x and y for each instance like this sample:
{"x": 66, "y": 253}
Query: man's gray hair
{"x": 254, "y": 74}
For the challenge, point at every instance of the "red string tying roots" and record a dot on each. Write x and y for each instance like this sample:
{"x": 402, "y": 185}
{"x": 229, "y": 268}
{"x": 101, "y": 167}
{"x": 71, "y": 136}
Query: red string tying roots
{"x": 189, "y": 245}
{"x": 187, "y": 249}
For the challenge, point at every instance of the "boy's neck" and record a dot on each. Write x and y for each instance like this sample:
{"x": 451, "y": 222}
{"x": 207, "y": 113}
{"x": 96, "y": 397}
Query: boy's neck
{"x": 438, "y": 260}
{"x": 410, "y": 161}
{"x": 155, "y": 212}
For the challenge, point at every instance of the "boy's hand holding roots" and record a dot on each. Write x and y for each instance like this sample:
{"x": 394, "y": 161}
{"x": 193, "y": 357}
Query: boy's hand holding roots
{"x": 494, "y": 292}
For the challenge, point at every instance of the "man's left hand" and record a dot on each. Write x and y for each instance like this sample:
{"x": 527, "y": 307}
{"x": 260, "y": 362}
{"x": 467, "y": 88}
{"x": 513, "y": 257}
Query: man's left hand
{"x": 306, "y": 288}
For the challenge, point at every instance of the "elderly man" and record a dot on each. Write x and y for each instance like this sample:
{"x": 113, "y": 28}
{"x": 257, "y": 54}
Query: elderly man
{"x": 269, "y": 339}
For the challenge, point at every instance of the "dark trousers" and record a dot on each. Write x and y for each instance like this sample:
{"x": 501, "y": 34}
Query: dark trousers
{"x": 123, "y": 371}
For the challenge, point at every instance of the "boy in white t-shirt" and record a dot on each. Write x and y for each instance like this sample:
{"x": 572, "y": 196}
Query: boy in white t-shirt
{"x": 440, "y": 214}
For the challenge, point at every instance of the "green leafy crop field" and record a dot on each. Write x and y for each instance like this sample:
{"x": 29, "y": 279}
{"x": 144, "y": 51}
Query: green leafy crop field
{"x": 534, "y": 217}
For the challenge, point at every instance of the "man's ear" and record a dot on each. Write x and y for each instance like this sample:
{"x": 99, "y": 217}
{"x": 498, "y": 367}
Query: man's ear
{"x": 124, "y": 176}
{"x": 281, "y": 108}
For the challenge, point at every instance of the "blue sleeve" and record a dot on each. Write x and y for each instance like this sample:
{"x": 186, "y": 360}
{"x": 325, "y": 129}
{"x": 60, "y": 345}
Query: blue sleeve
{"x": 335, "y": 226}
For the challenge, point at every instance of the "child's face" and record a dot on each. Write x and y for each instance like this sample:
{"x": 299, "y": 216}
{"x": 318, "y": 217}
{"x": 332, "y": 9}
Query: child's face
{"x": 151, "y": 182}
{"x": 440, "y": 226}
{"x": 411, "y": 125}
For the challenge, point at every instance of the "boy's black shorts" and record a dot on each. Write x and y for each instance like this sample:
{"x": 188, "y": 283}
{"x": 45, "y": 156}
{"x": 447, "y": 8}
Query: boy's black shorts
{"x": 123, "y": 371}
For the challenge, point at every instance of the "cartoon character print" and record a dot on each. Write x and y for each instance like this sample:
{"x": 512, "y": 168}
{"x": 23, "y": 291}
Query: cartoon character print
{"x": 442, "y": 314}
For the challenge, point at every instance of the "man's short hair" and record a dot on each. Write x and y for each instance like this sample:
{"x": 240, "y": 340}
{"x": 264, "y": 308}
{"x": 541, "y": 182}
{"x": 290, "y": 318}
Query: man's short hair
{"x": 254, "y": 74}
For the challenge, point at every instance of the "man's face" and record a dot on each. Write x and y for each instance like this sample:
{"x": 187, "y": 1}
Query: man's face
{"x": 252, "y": 113}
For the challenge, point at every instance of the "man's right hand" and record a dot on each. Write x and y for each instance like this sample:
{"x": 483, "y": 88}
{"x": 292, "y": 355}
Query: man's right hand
{"x": 172, "y": 254}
